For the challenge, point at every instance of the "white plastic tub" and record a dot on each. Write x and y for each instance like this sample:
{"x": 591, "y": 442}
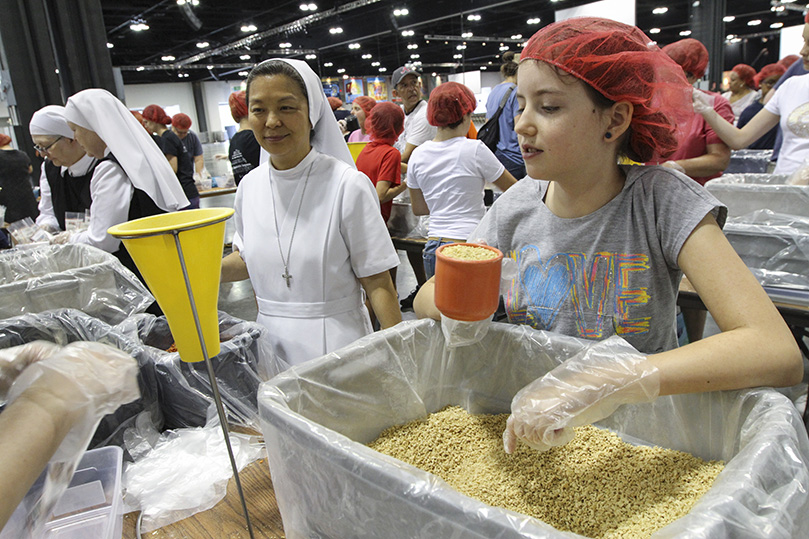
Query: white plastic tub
{"x": 747, "y": 193}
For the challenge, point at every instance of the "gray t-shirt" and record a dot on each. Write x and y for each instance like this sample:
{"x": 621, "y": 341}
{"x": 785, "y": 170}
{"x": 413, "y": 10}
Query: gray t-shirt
{"x": 611, "y": 272}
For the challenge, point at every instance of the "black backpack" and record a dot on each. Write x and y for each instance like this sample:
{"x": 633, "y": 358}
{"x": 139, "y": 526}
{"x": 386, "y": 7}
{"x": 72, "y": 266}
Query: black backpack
{"x": 489, "y": 132}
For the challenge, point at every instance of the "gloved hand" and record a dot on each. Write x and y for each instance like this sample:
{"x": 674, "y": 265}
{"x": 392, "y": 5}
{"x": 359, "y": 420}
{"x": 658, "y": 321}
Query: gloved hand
{"x": 584, "y": 389}
{"x": 15, "y": 359}
{"x": 83, "y": 381}
{"x": 674, "y": 165}
{"x": 61, "y": 238}
{"x": 701, "y": 101}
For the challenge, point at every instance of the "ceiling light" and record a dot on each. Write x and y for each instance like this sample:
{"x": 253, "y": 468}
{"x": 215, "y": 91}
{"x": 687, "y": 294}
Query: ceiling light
{"x": 516, "y": 36}
{"x": 412, "y": 46}
{"x": 466, "y": 34}
{"x": 308, "y": 7}
{"x": 354, "y": 46}
{"x": 336, "y": 30}
{"x": 345, "y": 77}
{"x": 203, "y": 45}
{"x": 167, "y": 58}
{"x": 383, "y": 69}
{"x": 483, "y": 68}
{"x": 685, "y": 33}
{"x": 407, "y": 33}
{"x": 473, "y": 17}
{"x": 180, "y": 2}
{"x": 138, "y": 25}
{"x": 140, "y": 68}
{"x": 434, "y": 73}
{"x": 328, "y": 64}
{"x": 730, "y": 37}
{"x": 341, "y": 70}
{"x": 311, "y": 56}
{"x": 244, "y": 57}
{"x": 460, "y": 47}
{"x": 659, "y": 10}
{"x": 535, "y": 20}
{"x": 456, "y": 56}
{"x": 243, "y": 73}
{"x": 414, "y": 56}
{"x": 110, "y": 45}
{"x": 654, "y": 30}
{"x": 503, "y": 48}
{"x": 400, "y": 12}
{"x": 209, "y": 67}
{"x": 778, "y": 9}
{"x": 367, "y": 56}
{"x": 729, "y": 18}
{"x": 375, "y": 64}
{"x": 754, "y": 22}
{"x": 776, "y": 25}
{"x": 285, "y": 45}
{"x": 249, "y": 28}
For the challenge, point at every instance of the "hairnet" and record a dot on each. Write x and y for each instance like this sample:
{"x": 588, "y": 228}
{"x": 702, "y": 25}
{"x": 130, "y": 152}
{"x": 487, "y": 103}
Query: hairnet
{"x": 366, "y": 103}
{"x": 746, "y": 73}
{"x": 181, "y": 121}
{"x": 788, "y": 60}
{"x": 238, "y": 105}
{"x": 335, "y": 103}
{"x": 4, "y": 139}
{"x": 155, "y": 113}
{"x": 385, "y": 123}
{"x": 690, "y": 54}
{"x": 449, "y": 103}
{"x": 623, "y": 64}
{"x": 768, "y": 71}
{"x": 143, "y": 162}
{"x": 50, "y": 121}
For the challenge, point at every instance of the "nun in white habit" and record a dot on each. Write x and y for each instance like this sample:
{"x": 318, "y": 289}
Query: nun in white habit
{"x": 309, "y": 234}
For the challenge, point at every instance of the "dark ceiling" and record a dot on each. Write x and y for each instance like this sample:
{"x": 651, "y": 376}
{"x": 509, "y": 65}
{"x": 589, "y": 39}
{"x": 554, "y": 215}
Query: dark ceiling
{"x": 175, "y": 30}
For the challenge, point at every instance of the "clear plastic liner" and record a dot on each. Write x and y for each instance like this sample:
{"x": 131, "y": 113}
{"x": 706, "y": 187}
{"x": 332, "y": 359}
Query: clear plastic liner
{"x": 64, "y": 326}
{"x": 747, "y": 193}
{"x": 746, "y": 161}
{"x": 316, "y": 418}
{"x": 75, "y": 276}
{"x": 246, "y": 359}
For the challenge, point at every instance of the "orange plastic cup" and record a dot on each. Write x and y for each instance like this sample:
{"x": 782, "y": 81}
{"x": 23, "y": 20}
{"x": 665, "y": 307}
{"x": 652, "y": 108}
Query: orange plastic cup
{"x": 467, "y": 290}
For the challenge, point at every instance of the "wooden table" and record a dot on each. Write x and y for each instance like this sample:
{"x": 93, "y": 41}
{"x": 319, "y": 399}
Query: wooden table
{"x": 226, "y": 519}
{"x": 216, "y": 191}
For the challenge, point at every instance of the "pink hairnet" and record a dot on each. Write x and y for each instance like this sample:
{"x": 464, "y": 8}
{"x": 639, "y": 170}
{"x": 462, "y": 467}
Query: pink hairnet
{"x": 335, "y": 102}
{"x": 768, "y": 71}
{"x": 690, "y": 54}
{"x": 449, "y": 103}
{"x": 238, "y": 105}
{"x": 181, "y": 121}
{"x": 746, "y": 73}
{"x": 788, "y": 60}
{"x": 4, "y": 139}
{"x": 155, "y": 113}
{"x": 385, "y": 123}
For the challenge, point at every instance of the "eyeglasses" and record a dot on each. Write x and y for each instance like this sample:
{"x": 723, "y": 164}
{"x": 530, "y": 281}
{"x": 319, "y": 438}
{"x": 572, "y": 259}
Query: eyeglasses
{"x": 44, "y": 149}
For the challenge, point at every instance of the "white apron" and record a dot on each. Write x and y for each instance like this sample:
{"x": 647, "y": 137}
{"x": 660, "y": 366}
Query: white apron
{"x": 338, "y": 238}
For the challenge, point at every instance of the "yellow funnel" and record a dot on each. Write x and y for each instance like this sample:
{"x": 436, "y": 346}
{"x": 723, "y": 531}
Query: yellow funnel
{"x": 355, "y": 148}
{"x": 153, "y": 244}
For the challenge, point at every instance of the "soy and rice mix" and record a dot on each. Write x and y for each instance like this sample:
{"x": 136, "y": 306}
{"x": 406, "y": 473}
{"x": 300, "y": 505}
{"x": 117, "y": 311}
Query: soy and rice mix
{"x": 468, "y": 252}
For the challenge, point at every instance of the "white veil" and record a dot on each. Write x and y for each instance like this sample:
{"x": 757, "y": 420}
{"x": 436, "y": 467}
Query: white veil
{"x": 328, "y": 139}
{"x": 143, "y": 162}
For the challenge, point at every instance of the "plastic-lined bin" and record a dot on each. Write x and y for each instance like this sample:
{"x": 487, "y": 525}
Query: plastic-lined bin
{"x": 245, "y": 360}
{"x": 746, "y": 161}
{"x": 91, "y": 507}
{"x": 316, "y": 418}
{"x": 64, "y": 326}
{"x": 747, "y": 193}
{"x": 39, "y": 278}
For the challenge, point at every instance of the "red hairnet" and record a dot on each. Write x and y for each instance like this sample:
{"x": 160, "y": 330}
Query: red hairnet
{"x": 788, "y": 60}
{"x": 155, "y": 113}
{"x": 621, "y": 63}
{"x": 768, "y": 71}
{"x": 238, "y": 105}
{"x": 689, "y": 54}
{"x": 366, "y": 103}
{"x": 181, "y": 121}
{"x": 139, "y": 117}
{"x": 385, "y": 123}
{"x": 449, "y": 103}
{"x": 746, "y": 73}
{"x": 4, "y": 139}
{"x": 335, "y": 102}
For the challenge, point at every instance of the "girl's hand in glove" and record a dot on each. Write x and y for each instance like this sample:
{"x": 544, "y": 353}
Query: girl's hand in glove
{"x": 584, "y": 389}
{"x": 701, "y": 101}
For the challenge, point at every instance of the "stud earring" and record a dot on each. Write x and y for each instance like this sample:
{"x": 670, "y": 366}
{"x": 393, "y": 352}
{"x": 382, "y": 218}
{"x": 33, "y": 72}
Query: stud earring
{"x": 608, "y": 135}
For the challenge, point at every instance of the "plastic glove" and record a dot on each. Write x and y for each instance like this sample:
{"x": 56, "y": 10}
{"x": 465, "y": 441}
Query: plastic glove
{"x": 584, "y": 389}
{"x": 15, "y": 359}
{"x": 85, "y": 381}
{"x": 674, "y": 165}
{"x": 701, "y": 101}
{"x": 61, "y": 238}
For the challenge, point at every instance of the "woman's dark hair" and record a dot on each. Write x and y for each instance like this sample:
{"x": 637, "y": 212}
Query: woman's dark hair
{"x": 509, "y": 66}
{"x": 275, "y": 67}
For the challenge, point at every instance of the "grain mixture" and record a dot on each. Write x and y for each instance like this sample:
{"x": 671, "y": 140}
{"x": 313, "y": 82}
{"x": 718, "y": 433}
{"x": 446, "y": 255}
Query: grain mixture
{"x": 468, "y": 252}
{"x": 597, "y": 485}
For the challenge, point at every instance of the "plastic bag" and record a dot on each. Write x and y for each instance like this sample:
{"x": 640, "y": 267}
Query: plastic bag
{"x": 165, "y": 480}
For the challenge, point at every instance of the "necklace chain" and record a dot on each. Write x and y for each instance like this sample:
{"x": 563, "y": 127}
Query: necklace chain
{"x": 286, "y": 276}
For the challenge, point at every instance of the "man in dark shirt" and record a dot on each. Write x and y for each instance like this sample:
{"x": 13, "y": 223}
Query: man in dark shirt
{"x": 181, "y": 125}
{"x": 156, "y": 120}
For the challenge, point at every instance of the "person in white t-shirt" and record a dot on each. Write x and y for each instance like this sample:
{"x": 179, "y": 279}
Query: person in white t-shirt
{"x": 447, "y": 175}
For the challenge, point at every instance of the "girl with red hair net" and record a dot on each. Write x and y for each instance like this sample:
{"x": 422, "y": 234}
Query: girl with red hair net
{"x": 765, "y": 80}
{"x": 244, "y": 151}
{"x": 446, "y": 176}
{"x": 600, "y": 248}
{"x": 701, "y": 153}
{"x": 742, "y": 92}
{"x": 361, "y": 108}
{"x": 182, "y": 163}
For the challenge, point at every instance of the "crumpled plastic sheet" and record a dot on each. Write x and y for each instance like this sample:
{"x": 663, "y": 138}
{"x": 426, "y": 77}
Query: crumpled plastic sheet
{"x": 181, "y": 472}
{"x": 316, "y": 418}
{"x": 246, "y": 359}
{"x": 774, "y": 246}
{"x": 77, "y": 276}
{"x": 63, "y": 326}
{"x": 747, "y": 193}
{"x": 742, "y": 161}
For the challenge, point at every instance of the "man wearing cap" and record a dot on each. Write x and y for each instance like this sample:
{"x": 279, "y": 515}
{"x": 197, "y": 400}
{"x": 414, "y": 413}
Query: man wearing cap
{"x": 181, "y": 125}
{"x": 72, "y": 181}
